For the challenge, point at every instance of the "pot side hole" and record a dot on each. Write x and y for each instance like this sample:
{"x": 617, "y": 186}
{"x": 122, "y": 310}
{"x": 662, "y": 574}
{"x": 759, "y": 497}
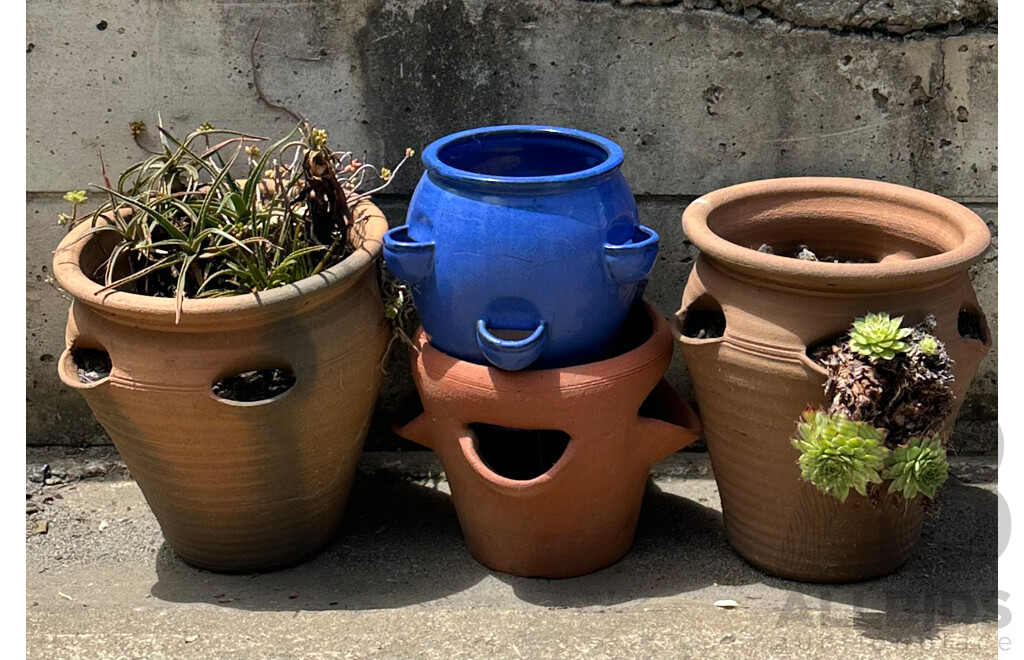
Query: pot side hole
{"x": 92, "y": 364}
{"x": 970, "y": 325}
{"x": 255, "y": 385}
{"x": 518, "y": 454}
{"x": 704, "y": 319}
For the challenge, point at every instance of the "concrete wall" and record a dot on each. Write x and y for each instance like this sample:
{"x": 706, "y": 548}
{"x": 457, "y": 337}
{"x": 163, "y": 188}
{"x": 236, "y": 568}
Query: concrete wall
{"x": 700, "y": 93}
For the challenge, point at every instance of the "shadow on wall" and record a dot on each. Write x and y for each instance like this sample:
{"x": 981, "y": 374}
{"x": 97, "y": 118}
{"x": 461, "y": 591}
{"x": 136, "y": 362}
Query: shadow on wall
{"x": 401, "y": 545}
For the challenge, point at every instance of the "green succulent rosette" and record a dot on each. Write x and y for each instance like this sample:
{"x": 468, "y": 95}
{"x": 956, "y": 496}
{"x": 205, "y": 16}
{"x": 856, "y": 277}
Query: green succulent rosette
{"x": 928, "y": 345}
{"x": 920, "y": 466}
{"x": 837, "y": 454}
{"x": 878, "y": 337}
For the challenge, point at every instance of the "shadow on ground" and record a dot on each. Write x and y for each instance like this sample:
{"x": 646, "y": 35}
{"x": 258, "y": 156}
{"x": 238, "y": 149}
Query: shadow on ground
{"x": 679, "y": 547}
{"x": 951, "y": 578}
{"x": 401, "y": 546}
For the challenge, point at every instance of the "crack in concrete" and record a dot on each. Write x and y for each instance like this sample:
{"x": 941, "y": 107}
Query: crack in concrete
{"x": 942, "y": 68}
{"x": 912, "y": 19}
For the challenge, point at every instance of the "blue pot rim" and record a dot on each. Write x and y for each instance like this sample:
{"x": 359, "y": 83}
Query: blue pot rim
{"x": 436, "y": 167}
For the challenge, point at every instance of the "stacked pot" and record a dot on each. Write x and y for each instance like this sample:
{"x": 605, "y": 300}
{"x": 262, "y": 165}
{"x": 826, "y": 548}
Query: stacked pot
{"x": 539, "y": 367}
{"x": 527, "y": 265}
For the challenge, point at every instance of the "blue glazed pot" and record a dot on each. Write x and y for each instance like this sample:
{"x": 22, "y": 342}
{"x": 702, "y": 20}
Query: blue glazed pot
{"x": 522, "y": 246}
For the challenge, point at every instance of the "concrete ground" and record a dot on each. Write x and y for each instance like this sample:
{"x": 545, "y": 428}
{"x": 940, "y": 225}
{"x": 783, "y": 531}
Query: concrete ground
{"x": 397, "y": 582}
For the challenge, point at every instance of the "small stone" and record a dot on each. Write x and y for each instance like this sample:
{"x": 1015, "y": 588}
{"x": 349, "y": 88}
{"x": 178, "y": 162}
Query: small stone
{"x": 92, "y": 470}
{"x": 31, "y": 507}
{"x": 53, "y": 481}
{"x": 804, "y": 254}
{"x": 752, "y": 14}
{"x": 191, "y": 638}
{"x": 37, "y": 474}
{"x": 728, "y": 639}
{"x": 41, "y": 527}
{"x": 766, "y": 249}
{"x": 104, "y": 525}
{"x": 726, "y": 604}
{"x": 293, "y": 594}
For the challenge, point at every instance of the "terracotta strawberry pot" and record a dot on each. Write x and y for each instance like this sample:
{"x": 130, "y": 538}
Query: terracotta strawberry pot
{"x": 236, "y": 486}
{"x": 579, "y": 512}
{"x": 752, "y": 382}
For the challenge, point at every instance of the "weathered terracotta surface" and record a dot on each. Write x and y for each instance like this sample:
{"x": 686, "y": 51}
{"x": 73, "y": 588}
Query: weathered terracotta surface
{"x": 236, "y": 487}
{"x": 581, "y": 515}
{"x": 752, "y": 383}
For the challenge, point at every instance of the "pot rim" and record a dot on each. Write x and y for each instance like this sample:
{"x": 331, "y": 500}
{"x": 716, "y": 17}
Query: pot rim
{"x": 68, "y": 272}
{"x": 825, "y": 275}
{"x": 435, "y": 166}
{"x": 621, "y": 366}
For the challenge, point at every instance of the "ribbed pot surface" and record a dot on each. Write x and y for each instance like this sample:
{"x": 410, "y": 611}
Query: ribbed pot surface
{"x": 236, "y": 487}
{"x": 752, "y": 383}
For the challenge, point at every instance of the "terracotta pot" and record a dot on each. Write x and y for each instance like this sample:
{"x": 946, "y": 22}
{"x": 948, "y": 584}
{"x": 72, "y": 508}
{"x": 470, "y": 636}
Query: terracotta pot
{"x": 580, "y": 515}
{"x": 752, "y": 383}
{"x": 236, "y": 487}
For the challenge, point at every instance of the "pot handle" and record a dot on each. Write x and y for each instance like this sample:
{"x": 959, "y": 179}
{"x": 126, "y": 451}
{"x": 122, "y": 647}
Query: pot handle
{"x": 511, "y": 354}
{"x": 632, "y": 261}
{"x": 666, "y": 424}
{"x": 410, "y": 260}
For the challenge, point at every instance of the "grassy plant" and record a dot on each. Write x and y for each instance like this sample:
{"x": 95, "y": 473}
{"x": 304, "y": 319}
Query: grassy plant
{"x": 399, "y": 310}
{"x": 222, "y": 213}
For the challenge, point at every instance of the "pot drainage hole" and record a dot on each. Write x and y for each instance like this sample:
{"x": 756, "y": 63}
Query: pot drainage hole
{"x": 518, "y": 454}
{"x": 257, "y": 385}
{"x": 91, "y": 364}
